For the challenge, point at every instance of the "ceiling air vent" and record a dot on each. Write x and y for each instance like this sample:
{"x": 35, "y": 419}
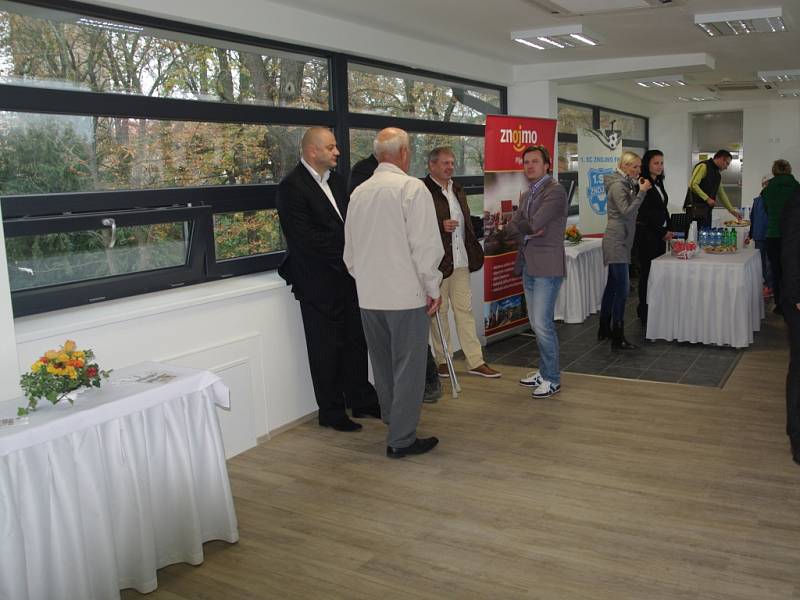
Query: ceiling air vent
{"x": 740, "y": 86}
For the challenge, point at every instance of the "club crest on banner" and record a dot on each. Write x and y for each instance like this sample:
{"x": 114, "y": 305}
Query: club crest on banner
{"x": 599, "y": 151}
{"x": 597, "y": 190}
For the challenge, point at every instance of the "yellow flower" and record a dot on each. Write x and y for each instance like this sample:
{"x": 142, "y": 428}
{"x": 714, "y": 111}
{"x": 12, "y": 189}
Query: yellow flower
{"x": 51, "y": 369}
{"x": 79, "y": 354}
{"x": 50, "y": 354}
{"x": 62, "y": 357}
{"x": 69, "y": 346}
{"x": 36, "y": 366}
{"x": 71, "y": 372}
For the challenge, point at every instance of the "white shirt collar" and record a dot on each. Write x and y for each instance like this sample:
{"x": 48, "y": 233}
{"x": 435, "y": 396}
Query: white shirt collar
{"x": 323, "y": 179}
{"x": 448, "y": 187}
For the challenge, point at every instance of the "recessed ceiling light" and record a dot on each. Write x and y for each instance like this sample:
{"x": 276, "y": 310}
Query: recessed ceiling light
{"x": 527, "y": 43}
{"x": 741, "y": 22}
{"x": 779, "y": 76}
{"x": 566, "y": 36}
{"x": 697, "y": 98}
{"x": 661, "y": 82}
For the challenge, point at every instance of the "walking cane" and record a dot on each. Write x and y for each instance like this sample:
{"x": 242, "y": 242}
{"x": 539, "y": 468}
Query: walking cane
{"x": 450, "y": 369}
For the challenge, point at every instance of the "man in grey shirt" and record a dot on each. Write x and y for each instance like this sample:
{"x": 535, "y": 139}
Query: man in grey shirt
{"x": 393, "y": 250}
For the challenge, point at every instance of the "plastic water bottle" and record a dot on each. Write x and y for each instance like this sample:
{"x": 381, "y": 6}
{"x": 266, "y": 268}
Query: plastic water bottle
{"x": 703, "y": 241}
{"x": 717, "y": 237}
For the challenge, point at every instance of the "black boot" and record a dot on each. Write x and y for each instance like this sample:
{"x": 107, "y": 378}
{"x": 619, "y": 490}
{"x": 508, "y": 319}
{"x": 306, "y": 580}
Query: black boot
{"x": 605, "y": 328}
{"x": 618, "y": 341}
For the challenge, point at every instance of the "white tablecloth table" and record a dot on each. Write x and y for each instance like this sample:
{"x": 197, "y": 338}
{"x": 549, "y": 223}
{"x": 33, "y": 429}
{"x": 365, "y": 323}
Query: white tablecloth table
{"x": 583, "y": 286}
{"x": 712, "y": 298}
{"x": 96, "y": 496}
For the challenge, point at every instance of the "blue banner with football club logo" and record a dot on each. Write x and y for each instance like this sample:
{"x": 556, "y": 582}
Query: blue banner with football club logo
{"x": 599, "y": 151}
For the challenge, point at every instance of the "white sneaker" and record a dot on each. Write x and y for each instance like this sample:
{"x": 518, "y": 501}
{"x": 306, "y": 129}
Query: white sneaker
{"x": 546, "y": 389}
{"x": 532, "y": 379}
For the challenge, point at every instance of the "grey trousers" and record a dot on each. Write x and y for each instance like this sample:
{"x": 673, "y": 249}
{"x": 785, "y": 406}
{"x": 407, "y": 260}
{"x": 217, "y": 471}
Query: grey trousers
{"x": 398, "y": 347}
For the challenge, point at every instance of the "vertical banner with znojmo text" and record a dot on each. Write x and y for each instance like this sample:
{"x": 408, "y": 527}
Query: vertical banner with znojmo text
{"x": 504, "y": 185}
{"x": 599, "y": 151}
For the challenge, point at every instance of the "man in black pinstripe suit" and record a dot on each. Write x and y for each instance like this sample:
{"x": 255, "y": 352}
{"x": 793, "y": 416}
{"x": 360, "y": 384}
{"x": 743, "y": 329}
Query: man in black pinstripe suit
{"x": 312, "y": 205}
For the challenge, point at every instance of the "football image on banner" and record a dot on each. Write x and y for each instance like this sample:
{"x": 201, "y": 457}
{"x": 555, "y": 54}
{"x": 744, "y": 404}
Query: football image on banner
{"x": 599, "y": 151}
{"x": 504, "y": 185}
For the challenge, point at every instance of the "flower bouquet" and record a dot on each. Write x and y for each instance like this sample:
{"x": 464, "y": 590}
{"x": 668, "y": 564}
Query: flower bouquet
{"x": 573, "y": 235}
{"x": 58, "y": 373}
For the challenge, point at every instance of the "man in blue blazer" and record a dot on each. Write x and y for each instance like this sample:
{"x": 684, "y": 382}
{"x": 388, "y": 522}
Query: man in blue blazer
{"x": 312, "y": 206}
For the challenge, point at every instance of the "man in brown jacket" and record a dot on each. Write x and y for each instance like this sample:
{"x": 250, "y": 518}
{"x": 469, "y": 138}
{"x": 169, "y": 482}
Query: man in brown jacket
{"x": 462, "y": 255}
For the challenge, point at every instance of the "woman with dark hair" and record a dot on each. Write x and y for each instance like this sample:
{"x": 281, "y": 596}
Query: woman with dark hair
{"x": 652, "y": 224}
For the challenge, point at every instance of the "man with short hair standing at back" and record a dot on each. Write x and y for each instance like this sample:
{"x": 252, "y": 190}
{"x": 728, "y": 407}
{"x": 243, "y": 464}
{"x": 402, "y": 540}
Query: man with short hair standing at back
{"x": 312, "y": 206}
{"x": 539, "y": 226}
{"x": 462, "y": 255}
{"x": 392, "y": 249}
{"x": 705, "y": 189}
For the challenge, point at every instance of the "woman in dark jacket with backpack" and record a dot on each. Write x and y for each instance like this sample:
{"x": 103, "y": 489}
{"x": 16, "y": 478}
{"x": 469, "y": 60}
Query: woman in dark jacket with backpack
{"x": 652, "y": 224}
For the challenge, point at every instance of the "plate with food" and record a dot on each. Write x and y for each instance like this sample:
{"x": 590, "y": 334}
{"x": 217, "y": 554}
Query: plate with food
{"x": 720, "y": 249}
{"x": 736, "y": 223}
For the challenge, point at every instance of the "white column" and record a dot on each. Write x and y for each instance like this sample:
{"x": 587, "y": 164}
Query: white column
{"x": 533, "y": 99}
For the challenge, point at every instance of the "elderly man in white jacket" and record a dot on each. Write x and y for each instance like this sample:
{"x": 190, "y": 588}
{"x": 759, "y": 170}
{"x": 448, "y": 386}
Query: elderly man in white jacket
{"x": 393, "y": 250}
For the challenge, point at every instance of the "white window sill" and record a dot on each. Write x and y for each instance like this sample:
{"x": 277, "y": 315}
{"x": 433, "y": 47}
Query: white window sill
{"x": 62, "y": 322}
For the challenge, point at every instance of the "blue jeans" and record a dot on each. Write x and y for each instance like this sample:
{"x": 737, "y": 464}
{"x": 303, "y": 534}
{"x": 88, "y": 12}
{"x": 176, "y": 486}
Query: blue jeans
{"x": 616, "y": 293}
{"x": 540, "y": 296}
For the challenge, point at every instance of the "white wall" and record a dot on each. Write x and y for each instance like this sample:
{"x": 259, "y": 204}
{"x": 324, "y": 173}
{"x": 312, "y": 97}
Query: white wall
{"x": 247, "y": 329}
{"x": 771, "y": 131}
{"x": 9, "y": 387}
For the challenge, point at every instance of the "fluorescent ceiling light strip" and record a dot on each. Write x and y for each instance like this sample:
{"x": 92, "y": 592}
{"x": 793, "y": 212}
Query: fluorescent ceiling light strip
{"x": 641, "y": 83}
{"x": 527, "y": 43}
{"x": 706, "y": 28}
{"x": 549, "y": 41}
{"x": 583, "y": 39}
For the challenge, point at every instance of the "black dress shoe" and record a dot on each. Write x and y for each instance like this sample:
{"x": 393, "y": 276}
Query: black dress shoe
{"x": 343, "y": 424}
{"x": 366, "y": 412}
{"x": 420, "y": 446}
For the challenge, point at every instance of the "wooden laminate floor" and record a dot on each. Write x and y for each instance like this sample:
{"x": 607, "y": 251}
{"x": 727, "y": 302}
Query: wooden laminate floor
{"x": 612, "y": 489}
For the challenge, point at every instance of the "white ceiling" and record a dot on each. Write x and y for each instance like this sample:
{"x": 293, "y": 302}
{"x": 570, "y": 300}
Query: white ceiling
{"x": 484, "y": 28}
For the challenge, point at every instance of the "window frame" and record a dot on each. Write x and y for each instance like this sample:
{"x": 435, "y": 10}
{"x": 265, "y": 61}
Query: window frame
{"x": 38, "y": 210}
{"x": 88, "y": 291}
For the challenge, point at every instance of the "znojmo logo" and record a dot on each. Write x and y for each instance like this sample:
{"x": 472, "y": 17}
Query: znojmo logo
{"x": 519, "y": 137}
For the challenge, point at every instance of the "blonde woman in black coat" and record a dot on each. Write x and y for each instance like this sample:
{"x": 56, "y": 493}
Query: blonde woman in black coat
{"x": 652, "y": 224}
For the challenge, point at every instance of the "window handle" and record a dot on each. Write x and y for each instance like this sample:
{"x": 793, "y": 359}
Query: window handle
{"x": 113, "y": 224}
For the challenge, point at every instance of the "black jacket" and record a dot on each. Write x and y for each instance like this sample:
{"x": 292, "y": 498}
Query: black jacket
{"x": 314, "y": 234}
{"x": 362, "y": 171}
{"x": 790, "y": 250}
{"x": 650, "y": 222}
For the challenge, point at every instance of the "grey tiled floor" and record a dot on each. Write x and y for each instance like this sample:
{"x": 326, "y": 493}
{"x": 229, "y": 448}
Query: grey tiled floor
{"x": 580, "y": 352}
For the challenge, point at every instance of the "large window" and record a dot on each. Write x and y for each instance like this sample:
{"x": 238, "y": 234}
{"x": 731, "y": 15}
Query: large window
{"x": 139, "y": 154}
{"x": 574, "y": 115}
